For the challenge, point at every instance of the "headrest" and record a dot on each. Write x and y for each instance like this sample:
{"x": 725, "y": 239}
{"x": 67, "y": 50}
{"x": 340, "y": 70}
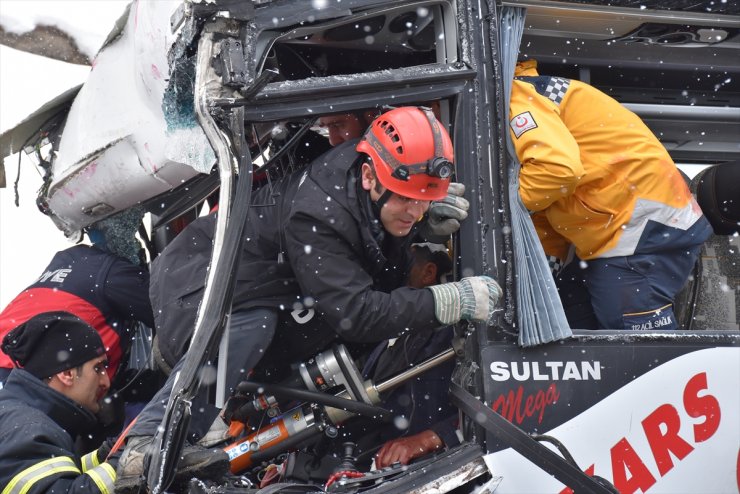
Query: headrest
{"x": 718, "y": 194}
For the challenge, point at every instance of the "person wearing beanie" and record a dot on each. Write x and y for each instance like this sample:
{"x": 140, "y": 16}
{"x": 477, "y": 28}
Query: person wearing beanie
{"x": 104, "y": 285}
{"x": 49, "y": 399}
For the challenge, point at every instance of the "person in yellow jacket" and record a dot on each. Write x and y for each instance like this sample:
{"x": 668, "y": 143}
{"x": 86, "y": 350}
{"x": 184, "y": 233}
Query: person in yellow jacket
{"x": 604, "y": 193}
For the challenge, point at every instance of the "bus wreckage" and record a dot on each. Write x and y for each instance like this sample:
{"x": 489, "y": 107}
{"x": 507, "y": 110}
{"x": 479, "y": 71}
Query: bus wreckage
{"x": 193, "y": 98}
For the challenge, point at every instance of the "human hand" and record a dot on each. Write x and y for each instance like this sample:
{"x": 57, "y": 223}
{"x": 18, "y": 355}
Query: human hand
{"x": 473, "y": 298}
{"x": 405, "y": 449}
{"x": 107, "y": 451}
{"x": 445, "y": 215}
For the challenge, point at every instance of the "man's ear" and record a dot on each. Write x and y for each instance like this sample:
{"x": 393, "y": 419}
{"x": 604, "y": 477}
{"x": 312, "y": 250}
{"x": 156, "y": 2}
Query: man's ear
{"x": 66, "y": 377}
{"x": 368, "y": 177}
{"x": 429, "y": 274}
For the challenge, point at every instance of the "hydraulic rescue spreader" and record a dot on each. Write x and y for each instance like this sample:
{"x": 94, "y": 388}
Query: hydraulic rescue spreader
{"x": 333, "y": 392}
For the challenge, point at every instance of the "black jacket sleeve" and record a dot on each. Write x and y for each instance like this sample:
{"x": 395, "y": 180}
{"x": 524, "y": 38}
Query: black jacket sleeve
{"x": 446, "y": 430}
{"x": 332, "y": 273}
{"x": 127, "y": 289}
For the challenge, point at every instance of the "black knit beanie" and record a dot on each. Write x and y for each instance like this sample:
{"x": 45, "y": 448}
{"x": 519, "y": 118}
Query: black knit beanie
{"x": 52, "y": 342}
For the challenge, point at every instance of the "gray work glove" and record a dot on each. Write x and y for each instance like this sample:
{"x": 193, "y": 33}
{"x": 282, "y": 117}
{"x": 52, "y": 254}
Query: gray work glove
{"x": 472, "y": 299}
{"x": 445, "y": 215}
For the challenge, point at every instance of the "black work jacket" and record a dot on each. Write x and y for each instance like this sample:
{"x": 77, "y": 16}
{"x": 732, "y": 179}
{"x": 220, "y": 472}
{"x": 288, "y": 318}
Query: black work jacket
{"x": 336, "y": 256}
{"x": 312, "y": 242}
{"x": 38, "y": 427}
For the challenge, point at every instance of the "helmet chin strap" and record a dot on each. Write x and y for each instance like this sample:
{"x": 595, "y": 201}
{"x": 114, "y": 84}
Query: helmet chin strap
{"x": 383, "y": 199}
{"x": 378, "y": 205}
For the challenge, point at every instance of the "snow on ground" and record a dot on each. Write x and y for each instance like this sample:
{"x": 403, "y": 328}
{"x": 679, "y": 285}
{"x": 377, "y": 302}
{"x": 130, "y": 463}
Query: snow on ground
{"x": 28, "y": 239}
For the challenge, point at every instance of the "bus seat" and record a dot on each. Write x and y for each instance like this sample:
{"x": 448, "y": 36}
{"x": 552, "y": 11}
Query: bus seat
{"x": 711, "y": 298}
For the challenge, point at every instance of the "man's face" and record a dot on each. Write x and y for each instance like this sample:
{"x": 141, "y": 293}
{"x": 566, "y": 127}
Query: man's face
{"x": 91, "y": 384}
{"x": 342, "y": 127}
{"x": 399, "y": 214}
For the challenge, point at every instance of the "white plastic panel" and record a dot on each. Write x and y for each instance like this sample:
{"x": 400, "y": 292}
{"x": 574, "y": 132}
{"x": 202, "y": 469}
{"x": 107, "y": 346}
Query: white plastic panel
{"x": 117, "y": 147}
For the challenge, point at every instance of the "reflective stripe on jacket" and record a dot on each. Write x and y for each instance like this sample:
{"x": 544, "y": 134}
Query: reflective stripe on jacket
{"x": 103, "y": 477}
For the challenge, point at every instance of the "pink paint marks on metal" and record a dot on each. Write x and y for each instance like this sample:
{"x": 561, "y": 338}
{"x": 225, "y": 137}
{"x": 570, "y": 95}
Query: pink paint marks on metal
{"x": 152, "y": 164}
{"x": 86, "y": 173}
{"x": 89, "y": 170}
{"x": 155, "y": 72}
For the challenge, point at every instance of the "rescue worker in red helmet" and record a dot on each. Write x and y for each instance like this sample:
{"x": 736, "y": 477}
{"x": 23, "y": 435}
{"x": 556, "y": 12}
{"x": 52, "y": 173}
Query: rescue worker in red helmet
{"x": 325, "y": 257}
{"x": 401, "y": 158}
{"x": 409, "y": 155}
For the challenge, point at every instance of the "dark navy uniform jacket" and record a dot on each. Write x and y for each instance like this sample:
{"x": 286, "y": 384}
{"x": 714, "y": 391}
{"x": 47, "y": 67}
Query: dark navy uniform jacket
{"x": 38, "y": 426}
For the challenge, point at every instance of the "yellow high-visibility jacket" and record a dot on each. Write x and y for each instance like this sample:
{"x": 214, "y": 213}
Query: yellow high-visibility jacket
{"x": 593, "y": 174}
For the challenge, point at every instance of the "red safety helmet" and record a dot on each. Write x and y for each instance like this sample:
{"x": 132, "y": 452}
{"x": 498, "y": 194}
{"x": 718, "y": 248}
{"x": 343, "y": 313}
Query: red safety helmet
{"x": 411, "y": 152}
